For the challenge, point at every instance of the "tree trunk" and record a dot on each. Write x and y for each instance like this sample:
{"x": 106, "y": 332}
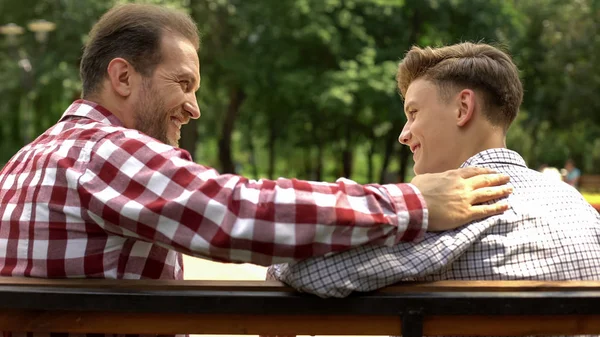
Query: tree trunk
{"x": 253, "y": 165}
{"x": 403, "y": 163}
{"x": 534, "y": 143}
{"x": 319, "y": 168}
{"x": 189, "y": 137}
{"x": 347, "y": 154}
{"x": 387, "y": 153}
{"x": 370, "y": 155}
{"x": 236, "y": 98}
{"x": 347, "y": 163}
{"x": 271, "y": 146}
{"x": 308, "y": 163}
{"x": 389, "y": 143}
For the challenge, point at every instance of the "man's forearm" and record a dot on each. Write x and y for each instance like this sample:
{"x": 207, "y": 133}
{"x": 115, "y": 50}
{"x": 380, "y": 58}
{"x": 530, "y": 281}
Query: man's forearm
{"x": 195, "y": 210}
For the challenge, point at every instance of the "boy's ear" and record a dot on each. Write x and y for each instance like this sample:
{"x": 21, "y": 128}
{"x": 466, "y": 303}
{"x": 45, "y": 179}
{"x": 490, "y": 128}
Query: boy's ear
{"x": 466, "y": 106}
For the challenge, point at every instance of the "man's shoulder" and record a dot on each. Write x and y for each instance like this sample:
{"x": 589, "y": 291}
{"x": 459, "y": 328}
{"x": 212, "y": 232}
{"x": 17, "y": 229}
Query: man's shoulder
{"x": 109, "y": 138}
{"x": 97, "y": 136}
{"x": 91, "y": 130}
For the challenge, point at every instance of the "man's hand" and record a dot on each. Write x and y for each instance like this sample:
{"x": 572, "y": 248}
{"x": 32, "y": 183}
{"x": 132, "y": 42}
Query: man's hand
{"x": 452, "y": 196}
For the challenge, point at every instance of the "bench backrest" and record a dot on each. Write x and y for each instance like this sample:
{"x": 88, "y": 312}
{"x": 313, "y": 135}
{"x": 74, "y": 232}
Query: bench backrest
{"x": 268, "y": 307}
{"x": 589, "y": 183}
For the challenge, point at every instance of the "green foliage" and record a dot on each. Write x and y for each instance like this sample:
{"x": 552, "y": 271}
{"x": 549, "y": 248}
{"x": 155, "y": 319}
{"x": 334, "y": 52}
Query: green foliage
{"x": 317, "y": 77}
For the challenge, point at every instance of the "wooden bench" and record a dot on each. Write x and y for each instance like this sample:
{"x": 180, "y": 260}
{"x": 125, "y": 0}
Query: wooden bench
{"x": 589, "y": 183}
{"x": 268, "y": 307}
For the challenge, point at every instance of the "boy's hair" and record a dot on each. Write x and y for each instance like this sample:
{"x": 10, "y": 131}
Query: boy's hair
{"x": 477, "y": 66}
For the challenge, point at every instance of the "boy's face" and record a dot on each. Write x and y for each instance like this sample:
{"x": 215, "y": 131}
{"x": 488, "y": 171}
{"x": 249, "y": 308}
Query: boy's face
{"x": 431, "y": 128}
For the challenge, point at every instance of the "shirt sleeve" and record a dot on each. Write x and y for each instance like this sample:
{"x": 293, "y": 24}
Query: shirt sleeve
{"x": 370, "y": 267}
{"x": 137, "y": 187}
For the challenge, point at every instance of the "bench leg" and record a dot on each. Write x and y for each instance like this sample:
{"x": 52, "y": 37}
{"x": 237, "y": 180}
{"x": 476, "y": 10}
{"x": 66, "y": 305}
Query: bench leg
{"x": 412, "y": 324}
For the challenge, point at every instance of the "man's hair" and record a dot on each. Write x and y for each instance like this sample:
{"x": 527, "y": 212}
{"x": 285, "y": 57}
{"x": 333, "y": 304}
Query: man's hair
{"x": 132, "y": 32}
{"x": 477, "y": 66}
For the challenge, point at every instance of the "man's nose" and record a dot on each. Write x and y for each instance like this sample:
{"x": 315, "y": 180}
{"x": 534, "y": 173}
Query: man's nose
{"x": 405, "y": 136}
{"x": 192, "y": 108}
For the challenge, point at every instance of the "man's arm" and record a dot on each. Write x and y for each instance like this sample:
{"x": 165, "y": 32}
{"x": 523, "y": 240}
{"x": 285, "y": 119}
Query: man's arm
{"x": 139, "y": 188}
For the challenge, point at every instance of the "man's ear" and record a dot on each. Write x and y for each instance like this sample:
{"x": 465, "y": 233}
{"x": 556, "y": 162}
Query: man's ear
{"x": 466, "y": 106}
{"x": 120, "y": 76}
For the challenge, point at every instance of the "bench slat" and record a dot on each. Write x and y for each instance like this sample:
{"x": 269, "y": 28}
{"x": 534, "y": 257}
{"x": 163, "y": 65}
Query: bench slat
{"x": 455, "y": 302}
{"x": 107, "y": 322}
{"x": 202, "y": 285}
{"x": 266, "y": 307}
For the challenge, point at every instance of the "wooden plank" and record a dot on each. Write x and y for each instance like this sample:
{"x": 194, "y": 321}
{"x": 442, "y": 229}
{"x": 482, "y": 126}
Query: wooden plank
{"x": 105, "y": 322}
{"x": 201, "y": 285}
{"x": 589, "y": 182}
{"x": 494, "y": 286}
{"x": 146, "y": 284}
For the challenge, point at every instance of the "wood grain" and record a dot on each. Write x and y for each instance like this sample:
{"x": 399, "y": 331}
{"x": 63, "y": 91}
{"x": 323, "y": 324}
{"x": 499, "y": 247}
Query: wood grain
{"x": 106, "y": 322}
{"x": 438, "y": 286}
{"x": 349, "y": 324}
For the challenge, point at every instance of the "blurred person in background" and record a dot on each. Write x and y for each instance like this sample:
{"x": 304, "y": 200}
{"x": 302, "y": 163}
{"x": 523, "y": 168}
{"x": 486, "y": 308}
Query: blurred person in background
{"x": 571, "y": 173}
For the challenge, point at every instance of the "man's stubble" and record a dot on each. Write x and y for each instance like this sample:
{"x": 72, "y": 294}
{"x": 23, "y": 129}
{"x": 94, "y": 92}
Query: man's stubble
{"x": 151, "y": 116}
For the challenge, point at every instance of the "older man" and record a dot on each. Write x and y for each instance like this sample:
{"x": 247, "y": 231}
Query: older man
{"x": 459, "y": 102}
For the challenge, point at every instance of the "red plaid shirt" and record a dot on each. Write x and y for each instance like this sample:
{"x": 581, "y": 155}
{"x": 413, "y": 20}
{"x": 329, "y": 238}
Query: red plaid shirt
{"x": 90, "y": 198}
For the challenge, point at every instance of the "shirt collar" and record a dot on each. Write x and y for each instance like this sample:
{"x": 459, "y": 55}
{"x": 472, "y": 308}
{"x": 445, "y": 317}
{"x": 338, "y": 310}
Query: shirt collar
{"x": 495, "y": 156}
{"x": 91, "y": 110}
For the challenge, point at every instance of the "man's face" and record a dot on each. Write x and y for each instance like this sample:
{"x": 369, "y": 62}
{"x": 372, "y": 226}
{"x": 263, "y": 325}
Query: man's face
{"x": 430, "y": 127}
{"x": 167, "y": 99}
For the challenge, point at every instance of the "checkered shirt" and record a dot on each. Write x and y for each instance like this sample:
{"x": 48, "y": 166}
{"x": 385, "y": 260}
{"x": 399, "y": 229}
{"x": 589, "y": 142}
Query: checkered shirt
{"x": 92, "y": 199}
{"x": 549, "y": 233}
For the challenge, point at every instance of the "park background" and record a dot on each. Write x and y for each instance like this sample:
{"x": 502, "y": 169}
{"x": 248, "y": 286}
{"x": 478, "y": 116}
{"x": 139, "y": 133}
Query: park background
{"x": 306, "y": 88}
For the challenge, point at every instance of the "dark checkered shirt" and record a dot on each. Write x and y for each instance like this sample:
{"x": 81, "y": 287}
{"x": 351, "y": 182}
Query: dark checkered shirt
{"x": 90, "y": 198}
{"x": 550, "y": 232}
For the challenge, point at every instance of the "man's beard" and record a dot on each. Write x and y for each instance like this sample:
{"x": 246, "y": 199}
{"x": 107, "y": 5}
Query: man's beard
{"x": 151, "y": 116}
